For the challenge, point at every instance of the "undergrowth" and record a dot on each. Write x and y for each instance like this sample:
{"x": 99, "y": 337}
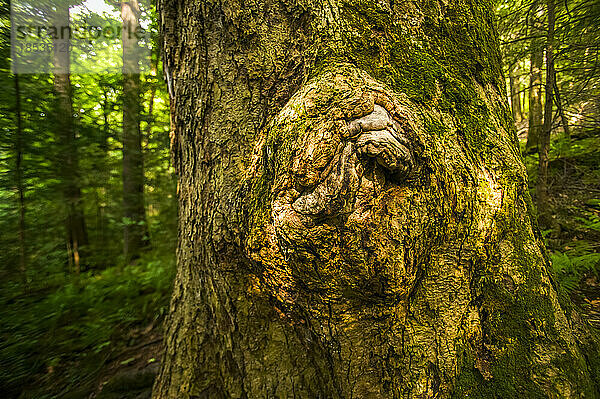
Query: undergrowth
{"x": 574, "y": 238}
{"x": 61, "y": 337}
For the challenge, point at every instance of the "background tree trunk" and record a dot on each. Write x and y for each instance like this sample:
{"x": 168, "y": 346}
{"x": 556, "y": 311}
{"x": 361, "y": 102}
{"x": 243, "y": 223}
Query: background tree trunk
{"x": 135, "y": 230}
{"x": 535, "y": 95}
{"x": 544, "y": 143}
{"x": 515, "y": 94}
{"x": 68, "y": 159}
{"x": 561, "y": 110}
{"x": 354, "y": 217}
{"x": 19, "y": 181}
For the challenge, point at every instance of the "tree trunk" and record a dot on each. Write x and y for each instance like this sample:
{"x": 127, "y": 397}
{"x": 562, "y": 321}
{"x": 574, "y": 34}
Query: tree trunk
{"x": 151, "y": 81}
{"x": 19, "y": 181}
{"x": 515, "y": 93}
{"x": 535, "y": 95}
{"x": 135, "y": 230}
{"x": 544, "y": 142}
{"x": 68, "y": 162}
{"x": 561, "y": 111}
{"x": 354, "y": 218}
{"x": 104, "y": 175}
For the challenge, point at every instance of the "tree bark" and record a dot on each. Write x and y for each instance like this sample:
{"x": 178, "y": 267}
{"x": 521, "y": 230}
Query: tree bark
{"x": 354, "y": 218}
{"x": 136, "y": 237}
{"x": 544, "y": 141}
{"x": 68, "y": 162}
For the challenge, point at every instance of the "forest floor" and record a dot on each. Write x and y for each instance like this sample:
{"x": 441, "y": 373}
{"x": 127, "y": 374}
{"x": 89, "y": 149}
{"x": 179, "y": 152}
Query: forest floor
{"x": 130, "y": 373}
{"x": 127, "y": 372}
{"x": 587, "y": 297}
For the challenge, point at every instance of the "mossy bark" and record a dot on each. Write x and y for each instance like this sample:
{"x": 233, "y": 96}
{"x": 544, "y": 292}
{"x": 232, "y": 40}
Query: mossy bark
{"x": 354, "y": 212}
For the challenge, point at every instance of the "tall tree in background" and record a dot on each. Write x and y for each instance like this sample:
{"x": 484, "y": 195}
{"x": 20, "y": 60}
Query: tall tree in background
{"x": 511, "y": 28}
{"x": 561, "y": 109}
{"x": 535, "y": 78}
{"x": 515, "y": 93}
{"x": 135, "y": 229}
{"x": 544, "y": 142}
{"x": 68, "y": 163}
{"x": 535, "y": 96}
{"x": 355, "y": 218}
{"x": 19, "y": 180}
{"x": 19, "y": 175}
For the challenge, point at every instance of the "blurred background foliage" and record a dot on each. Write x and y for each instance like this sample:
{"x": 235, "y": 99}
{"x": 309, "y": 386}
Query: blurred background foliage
{"x": 65, "y": 318}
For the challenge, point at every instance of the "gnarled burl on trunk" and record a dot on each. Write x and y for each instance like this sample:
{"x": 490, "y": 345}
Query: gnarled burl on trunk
{"x": 354, "y": 212}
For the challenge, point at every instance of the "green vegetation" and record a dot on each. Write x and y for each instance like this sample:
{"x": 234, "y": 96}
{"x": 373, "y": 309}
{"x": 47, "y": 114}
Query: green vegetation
{"x": 63, "y": 334}
{"x": 75, "y": 316}
{"x": 572, "y": 231}
{"x": 573, "y": 237}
